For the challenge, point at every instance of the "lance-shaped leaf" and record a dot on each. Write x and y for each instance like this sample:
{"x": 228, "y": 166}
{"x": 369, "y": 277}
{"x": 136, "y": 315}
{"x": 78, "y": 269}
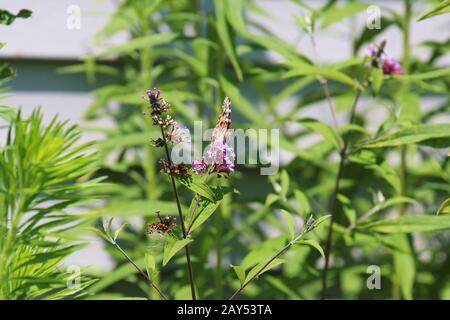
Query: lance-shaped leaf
{"x": 407, "y": 224}
{"x": 334, "y": 15}
{"x": 172, "y": 247}
{"x": 314, "y": 244}
{"x": 436, "y": 135}
{"x": 445, "y": 207}
{"x": 206, "y": 209}
{"x": 240, "y": 272}
{"x": 258, "y": 270}
{"x": 442, "y": 8}
{"x": 225, "y": 36}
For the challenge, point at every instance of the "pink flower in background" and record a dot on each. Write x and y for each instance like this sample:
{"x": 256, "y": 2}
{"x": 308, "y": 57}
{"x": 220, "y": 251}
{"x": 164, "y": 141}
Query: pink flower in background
{"x": 391, "y": 66}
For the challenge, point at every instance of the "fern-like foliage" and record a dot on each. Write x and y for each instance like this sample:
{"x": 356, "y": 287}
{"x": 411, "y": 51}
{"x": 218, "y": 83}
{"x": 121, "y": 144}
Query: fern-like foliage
{"x": 40, "y": 172}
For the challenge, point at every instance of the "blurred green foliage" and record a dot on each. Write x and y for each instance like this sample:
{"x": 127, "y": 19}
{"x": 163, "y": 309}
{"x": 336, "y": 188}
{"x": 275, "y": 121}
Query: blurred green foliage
{"x": 390, "y": 208}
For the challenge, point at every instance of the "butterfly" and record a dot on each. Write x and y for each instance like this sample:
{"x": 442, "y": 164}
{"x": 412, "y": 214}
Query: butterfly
{"x": 164, "y": 225}
{"x": 220, "y": 133}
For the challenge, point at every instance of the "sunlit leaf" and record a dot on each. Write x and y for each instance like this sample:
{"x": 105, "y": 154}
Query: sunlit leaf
{"x": 407, "y": 224}
{"x": 172, "y": 247}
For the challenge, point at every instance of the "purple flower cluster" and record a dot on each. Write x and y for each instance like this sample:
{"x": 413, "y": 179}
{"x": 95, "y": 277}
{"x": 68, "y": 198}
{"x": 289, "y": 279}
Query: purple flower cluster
{"x": 219, "y": 158}
{"x": 389, "y": 65}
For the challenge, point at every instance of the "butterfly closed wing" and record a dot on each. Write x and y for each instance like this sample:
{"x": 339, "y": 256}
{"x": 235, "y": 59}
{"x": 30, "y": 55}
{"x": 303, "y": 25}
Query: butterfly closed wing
{"x": 221, "y": 134}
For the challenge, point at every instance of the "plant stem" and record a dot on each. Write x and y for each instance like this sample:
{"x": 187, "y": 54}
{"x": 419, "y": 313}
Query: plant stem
{"x": 333, "y": 205}
{"x": 340, "y": 173}
{"x": 141, "y": 272}
{"x": 218, "y": 243}
{"x": 180, "y": 214}
{"x": 403, "y": 166}
{"x": 406, "y": 65}
{"x": 220, "y": 218}
{"x": 283, "y": 250}
{"x": 146, "y": 65}
{"x": 324, "y": 84}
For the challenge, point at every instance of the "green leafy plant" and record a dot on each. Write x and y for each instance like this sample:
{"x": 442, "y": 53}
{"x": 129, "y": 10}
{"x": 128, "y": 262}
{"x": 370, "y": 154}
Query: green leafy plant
{"x": 217, "y": 164}
{"x": 382, "y": 181}
{"x": 39, "y": 169}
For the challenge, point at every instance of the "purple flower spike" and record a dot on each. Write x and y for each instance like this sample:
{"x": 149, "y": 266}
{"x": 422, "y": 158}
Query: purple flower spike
{"x": 221, "y": 156}
{"x": 199, "y": 166}
{"x": 392, "y": 66}
{"x": 226, "y": 167}
{"x": 153, "y": 94}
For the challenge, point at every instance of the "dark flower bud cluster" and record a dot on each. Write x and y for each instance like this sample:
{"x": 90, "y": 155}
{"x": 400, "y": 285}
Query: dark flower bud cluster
{"x": 159, "y": 106}
{"x": 175, "y": 169}
{"x": 157, "y": 142}
{"x": 170, "y": 132}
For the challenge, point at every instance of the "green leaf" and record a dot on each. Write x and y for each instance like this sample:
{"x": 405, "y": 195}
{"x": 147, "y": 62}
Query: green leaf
{"x": 241, "y": 103}
{"x": 305, "y": 207}
{"x": 442, "y": 8}
{"x": 107, "y": 226}
{"x": 172, "y": 247}
{"x": 206, "y": 209}
{"x": 8, "y": 113}
{"x": 404, "y": 265}
{"x": 290, "y": 223}
{"x": 323, "y": 129}
{"x": 145, "y": 42}
{"x": 312, "y": 243}
{"x": 284, "y": 179}
{"x": 150, "y": 264}
{"x": 431, "y": 134}
{"x": 225, "y": 37}
{"x": 121, "y": 272}
{"x": 349, "y": 211}
{"x": 235, "y": 15}
{"x": 443, "y": 72}
{"x": 116, "y": 234}
{"x": 8, "y": 18}
{"x": 321, "y": 72}
{"x": 376, "y": 79}
{"x": 407, "y": 224}
{"x": 240, "y": 272}
{"x": 257, "y": 270}
{"x": 334, "y": 14}
{"x": 319, "y": 221}
{"x": 262, "y": 253}
{"x": 131, "y": 208}
{"x": 198, "y": 186}
{"x": 379, "y": 165}
{"x": 445, "y": 207}
{"x": 389, "y": 203}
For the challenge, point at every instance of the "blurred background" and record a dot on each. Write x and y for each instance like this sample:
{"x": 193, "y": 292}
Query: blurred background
{"x": 55, "y": 72}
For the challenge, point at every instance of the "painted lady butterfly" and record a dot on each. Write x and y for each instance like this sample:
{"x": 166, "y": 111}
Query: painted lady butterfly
{"x": 220, "y": 134}
{"x": 166, "y": 224}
